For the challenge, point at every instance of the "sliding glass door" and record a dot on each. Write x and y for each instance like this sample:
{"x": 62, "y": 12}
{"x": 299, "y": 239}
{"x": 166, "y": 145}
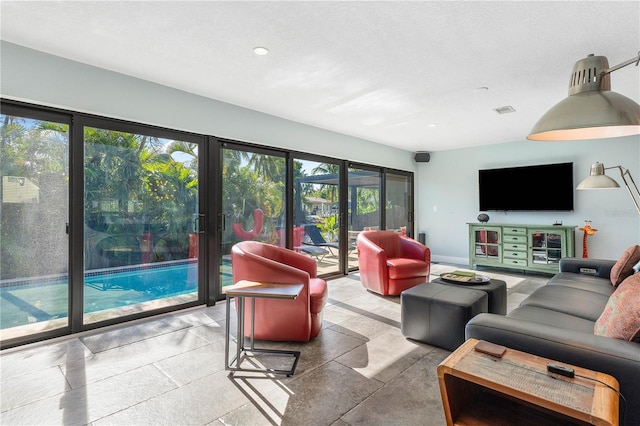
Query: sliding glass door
{"x": 34, "y": 216}
{"x": 364, "y": 211}
{"x": 140, "y": 223}
{"x": 316, "y": 213}
{"x": 104, "y": 221}
{"x": 253, "y": 201}
{"x": 399, "y": 205}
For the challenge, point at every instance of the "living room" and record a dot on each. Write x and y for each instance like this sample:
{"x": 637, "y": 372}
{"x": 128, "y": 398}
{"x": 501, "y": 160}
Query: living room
{"x": 446, "y": 187}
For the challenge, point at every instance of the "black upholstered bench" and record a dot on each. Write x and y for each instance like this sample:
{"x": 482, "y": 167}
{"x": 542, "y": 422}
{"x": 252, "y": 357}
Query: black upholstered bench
{"x": 495, "y": 289}
{"x": 437, "y": 314}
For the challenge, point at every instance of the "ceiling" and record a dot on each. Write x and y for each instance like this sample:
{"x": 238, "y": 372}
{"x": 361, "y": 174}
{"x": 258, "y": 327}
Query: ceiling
{"x": 420, "y": 76}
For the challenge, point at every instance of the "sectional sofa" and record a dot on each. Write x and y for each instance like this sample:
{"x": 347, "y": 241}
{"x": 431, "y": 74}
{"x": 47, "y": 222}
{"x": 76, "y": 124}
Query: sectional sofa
{"x": 587, "y": 315}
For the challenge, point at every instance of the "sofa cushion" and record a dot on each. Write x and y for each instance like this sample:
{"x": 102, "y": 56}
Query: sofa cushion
{"x": 621, "y": 317}
{"x": 624, "y": 266}
{"x": 400, "y": 268}
{"x": 583, "y": 282}
{"x": 553, "y": 318}
{"x": 572, "y": 301}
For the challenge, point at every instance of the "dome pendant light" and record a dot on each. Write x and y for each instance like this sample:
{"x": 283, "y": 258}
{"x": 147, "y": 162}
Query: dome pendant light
{"x": 592, "y": 110}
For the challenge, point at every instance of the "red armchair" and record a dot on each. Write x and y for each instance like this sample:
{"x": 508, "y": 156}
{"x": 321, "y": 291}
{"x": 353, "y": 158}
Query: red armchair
{"x": 391, "y": 263}
{"x": 296, "y": 320}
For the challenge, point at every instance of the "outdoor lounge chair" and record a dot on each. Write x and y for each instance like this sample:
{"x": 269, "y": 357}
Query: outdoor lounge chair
{"x": 300, "y": 246}
{"x": 318, "y": 240}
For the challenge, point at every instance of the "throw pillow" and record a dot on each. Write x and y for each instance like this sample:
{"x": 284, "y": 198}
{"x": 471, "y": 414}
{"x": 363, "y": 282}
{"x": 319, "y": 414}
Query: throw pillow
{"x": 624, "y": 266}
{"x": 621, "y": 316}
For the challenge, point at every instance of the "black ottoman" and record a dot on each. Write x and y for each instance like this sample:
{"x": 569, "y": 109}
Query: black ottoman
{"x": 495, "y": 289}
{"x": 437, "y": 314}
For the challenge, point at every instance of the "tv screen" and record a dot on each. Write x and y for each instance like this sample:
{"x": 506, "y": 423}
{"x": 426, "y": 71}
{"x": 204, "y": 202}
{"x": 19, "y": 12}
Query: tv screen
{"x": 546, "y": 187}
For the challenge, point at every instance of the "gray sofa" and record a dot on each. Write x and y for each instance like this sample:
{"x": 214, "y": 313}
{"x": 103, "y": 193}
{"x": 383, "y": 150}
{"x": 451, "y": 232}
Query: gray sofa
{"x": 556, "y": 321}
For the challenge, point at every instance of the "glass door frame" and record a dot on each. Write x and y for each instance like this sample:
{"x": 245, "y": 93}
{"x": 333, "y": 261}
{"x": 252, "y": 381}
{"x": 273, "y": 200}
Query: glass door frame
{"x": 342, "y": 242}
{"x": 217, "y": 220}
{"x": 410, "y": 212}
{"x": 14, "y": 108}
{"x": 76, "y": 228}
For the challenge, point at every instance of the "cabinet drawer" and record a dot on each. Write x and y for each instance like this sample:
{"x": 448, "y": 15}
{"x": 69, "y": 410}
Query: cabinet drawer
{"x": 515, "y": 239}
{"x": 518, "y": 262}
{"x": 508, "y": 230}
{"x": 512, "y": 254}
{"x": 515, "y": 246}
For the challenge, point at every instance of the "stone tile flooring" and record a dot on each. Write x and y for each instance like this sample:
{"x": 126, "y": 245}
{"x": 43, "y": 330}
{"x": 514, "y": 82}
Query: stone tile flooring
{"x": 170, "y": 371}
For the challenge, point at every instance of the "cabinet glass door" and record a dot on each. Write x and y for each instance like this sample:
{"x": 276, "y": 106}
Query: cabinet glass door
{"x": 487, "y": 243}
{"x": 546, "y": 248}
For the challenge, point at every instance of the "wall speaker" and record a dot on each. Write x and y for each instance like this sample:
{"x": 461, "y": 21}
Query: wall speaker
{"x": 422, "y": 157}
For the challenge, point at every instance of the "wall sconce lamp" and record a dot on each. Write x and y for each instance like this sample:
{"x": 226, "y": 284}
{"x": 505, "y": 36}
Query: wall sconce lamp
{"x": 598, "y": 180}
{"x": 592, "y": 110}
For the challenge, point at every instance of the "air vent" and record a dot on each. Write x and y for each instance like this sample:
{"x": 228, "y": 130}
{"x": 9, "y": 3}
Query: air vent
{"x": 589, "y": 74}
{"x": 505, "y": 109}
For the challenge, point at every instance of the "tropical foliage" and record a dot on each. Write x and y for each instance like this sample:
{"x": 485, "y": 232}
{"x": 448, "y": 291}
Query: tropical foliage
{"x": 141, "y": 192}
{"x": 34, "y": 170}
{"x": 135, "y": 187}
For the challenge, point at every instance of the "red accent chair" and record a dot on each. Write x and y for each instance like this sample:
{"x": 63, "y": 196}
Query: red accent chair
{"x": 296, "y": 320}
{"x": 391, "y": 263}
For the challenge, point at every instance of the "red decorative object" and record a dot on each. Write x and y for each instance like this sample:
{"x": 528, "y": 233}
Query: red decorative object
{"x": 146, "y": 246}
{"x": 193, "y": 246}
{"x": 258, "y": 217}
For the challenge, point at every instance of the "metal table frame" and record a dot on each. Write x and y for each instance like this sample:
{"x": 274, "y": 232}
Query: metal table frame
{"x": 255, "y": 290}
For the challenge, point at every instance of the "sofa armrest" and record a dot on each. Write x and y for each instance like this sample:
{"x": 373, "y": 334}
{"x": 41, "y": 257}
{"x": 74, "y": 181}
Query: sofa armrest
{"x": 372, "y": 262}
{"x": 618, "y": 358}
{"x": 595, "y": 267}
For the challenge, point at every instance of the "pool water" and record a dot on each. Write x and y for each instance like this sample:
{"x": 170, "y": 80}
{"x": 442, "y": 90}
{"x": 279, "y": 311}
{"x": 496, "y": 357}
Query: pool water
{"x": 30, "y": 303}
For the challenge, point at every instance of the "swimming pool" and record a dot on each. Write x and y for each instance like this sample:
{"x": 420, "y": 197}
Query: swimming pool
{"x": 28, "y": 302}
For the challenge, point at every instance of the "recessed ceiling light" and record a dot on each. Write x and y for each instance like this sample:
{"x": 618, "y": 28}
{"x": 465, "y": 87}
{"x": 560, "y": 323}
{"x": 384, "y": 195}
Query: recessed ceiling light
{"x": 480, "y": 89}
{"x": 432, "y": 125}
{"x": 260, "y": 51}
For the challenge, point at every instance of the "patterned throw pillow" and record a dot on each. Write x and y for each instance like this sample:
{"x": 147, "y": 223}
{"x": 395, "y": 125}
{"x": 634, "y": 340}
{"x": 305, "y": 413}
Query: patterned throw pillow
{"x": 624, "y": 266}
{"x": 621, "y": 317}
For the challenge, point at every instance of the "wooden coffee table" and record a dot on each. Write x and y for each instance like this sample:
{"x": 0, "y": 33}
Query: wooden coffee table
{"x": 481, "y": 389}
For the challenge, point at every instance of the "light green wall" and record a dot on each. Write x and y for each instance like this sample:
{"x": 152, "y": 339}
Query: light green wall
{"x": 448, "y": 194}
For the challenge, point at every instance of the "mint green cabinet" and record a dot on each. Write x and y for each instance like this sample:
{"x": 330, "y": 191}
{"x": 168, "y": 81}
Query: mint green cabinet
{"x": 536, "y": 248}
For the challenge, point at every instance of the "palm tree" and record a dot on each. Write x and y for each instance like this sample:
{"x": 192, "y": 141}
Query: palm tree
{"x": 269, "y": 167}
{"x": 188, "y": 148}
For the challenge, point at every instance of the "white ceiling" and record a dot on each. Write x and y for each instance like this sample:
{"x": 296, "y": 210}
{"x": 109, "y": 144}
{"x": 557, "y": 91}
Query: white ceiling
{"x": 383, "y": 71}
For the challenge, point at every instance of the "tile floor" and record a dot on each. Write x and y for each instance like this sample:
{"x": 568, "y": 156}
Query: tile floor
{"x": 170, "y": 371}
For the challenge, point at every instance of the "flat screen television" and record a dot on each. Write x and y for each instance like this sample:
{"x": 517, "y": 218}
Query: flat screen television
{"x": 545, "y": 187}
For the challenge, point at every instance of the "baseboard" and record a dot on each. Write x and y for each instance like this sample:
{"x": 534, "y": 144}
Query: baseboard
{"x": 450, "y": 259}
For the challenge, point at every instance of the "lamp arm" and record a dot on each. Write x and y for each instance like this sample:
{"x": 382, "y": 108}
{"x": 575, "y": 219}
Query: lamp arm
{"x": 635, "y": 60}
{"x": 624, "y": 172}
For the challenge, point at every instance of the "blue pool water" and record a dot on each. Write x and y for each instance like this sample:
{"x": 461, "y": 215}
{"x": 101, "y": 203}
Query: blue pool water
{"x": 23, "y": 303}
{"x": 165, "y": 281}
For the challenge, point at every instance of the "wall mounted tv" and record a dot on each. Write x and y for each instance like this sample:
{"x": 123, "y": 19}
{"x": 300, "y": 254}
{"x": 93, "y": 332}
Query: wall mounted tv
{"x": 545, "y": 187}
